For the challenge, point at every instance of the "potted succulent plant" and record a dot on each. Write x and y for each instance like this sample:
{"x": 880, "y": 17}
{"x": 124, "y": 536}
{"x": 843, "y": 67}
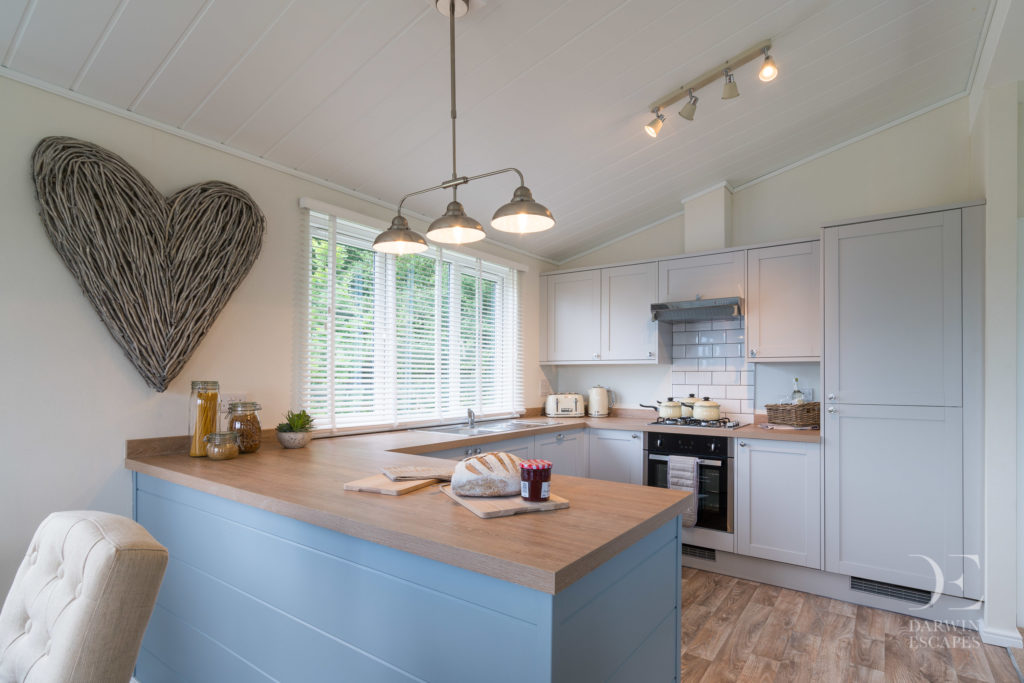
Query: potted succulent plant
{"x": 295, "y": 432}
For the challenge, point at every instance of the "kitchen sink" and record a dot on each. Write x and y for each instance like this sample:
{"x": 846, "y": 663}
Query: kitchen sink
{"x": 499, "y": 427}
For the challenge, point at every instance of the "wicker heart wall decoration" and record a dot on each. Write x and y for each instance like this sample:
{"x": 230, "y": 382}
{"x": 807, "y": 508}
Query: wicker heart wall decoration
{"x": 158, "y": 270}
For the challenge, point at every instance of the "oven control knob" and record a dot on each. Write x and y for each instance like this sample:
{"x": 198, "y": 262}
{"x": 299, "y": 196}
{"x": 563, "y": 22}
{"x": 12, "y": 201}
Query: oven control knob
{"x": 711, "y": 447}
{"x": 657, "y": 442}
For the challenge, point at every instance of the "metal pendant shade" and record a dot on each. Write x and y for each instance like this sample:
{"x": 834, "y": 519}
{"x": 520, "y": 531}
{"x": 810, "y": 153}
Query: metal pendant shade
{"x": 399, "y": 239}
{"x": 455, "y": 227}
{"x": 522, "y": 215}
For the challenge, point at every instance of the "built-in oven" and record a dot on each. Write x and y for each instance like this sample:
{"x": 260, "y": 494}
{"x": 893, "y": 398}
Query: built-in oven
{"x": 715, "y": 472}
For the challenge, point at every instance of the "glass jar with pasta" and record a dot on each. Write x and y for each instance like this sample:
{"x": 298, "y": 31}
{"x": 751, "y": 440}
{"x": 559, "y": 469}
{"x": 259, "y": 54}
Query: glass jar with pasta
{"x": 202, "y": 414}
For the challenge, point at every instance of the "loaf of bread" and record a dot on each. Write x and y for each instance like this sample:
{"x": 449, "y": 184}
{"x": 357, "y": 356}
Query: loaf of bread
{"x": 487, "y": 475}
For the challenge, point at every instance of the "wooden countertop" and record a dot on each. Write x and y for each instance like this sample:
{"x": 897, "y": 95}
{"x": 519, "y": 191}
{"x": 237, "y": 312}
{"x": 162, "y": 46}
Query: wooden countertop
{"x": 545, "y": 551}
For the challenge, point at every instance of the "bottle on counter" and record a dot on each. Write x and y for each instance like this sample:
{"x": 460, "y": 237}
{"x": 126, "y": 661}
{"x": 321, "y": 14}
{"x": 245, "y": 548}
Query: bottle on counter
{"x": 797, "y": 396}
{"x": 202, "y": 414}
{"x": 244, "y": 420}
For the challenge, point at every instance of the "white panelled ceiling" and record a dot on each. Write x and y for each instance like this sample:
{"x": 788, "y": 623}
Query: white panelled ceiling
{"x": 356, "y": 91}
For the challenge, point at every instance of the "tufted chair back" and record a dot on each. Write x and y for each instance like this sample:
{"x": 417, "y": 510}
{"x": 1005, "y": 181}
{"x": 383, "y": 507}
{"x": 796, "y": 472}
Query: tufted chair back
{"x": 80, "y": 601}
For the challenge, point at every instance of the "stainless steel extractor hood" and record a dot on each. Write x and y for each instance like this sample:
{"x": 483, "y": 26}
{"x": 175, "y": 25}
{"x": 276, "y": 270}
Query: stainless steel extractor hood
{"x": 698, "y": 309}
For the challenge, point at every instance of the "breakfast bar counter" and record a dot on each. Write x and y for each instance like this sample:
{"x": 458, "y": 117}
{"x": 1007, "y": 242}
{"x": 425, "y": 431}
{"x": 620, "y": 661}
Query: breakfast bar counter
{"x": 277, "y": 573}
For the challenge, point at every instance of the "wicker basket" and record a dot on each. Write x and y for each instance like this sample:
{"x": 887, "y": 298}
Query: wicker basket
{"x": 799, "y": 415}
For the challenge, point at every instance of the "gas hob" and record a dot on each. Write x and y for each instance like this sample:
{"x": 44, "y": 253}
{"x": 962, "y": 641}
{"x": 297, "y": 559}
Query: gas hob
{"x": 723, "y": 423}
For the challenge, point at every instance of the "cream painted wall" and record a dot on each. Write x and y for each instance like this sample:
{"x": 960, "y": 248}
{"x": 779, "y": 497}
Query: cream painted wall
{"x": 70, "y": 399}
{"x": 657, "y": 241}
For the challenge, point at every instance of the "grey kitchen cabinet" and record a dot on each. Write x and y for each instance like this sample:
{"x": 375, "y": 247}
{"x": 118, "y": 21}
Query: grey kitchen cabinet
{"x": 713, "y": 276}
{"x": 778, "y": 501}
{"x": 572, "y": 316}
{"x": 894, "y": 494}
{"x": 603, "y": 316}
{"x": 521, "y": 447}
{"x": 566, "y": 450}
{"x": 616, "y": 455}
{"x": 783, "y": 303}
{"x": 893, "y": 311}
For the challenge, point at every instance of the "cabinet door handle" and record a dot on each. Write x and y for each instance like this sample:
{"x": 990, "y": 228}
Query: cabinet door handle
{"x": 596, "y": 356}
{"x": 831, "y": 397}
{"x": 832, "y": 409}
{"x": 650, "y": 354}
{"x": 469, "y": 451}
{"x": 476, "y": 451}
{"x": 743, "y": 444}
{"x": 753, "y": 353}
{"x": 559, "y": 436}
{"x": 634, "y": 436}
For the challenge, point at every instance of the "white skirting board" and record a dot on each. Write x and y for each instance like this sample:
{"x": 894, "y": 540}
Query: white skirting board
{"x": 1000, "y": 637}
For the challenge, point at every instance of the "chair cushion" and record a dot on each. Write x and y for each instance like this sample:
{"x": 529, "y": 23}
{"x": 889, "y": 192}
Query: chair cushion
{"x": 80, "y": 601}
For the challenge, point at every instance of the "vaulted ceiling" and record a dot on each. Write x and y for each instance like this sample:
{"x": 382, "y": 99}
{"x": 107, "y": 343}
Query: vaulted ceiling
{"x": 355, "y": 92}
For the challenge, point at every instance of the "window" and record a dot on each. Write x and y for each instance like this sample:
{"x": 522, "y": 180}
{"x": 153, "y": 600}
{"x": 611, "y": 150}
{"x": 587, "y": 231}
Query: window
{"x": 397, "y": 340}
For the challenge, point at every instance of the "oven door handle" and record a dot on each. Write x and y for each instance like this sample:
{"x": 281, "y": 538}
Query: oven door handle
{"x": 654, "y": 456}
{"x": 709, "y": 463}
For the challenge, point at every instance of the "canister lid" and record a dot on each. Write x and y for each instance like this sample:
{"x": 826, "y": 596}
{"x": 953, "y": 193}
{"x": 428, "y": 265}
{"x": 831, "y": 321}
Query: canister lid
{"x": 221, "y": 438}
{"x": 205, "y": 385}
{"x": 243, "y": 406}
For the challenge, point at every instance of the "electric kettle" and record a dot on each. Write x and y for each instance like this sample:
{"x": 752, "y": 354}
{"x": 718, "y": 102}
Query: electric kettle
{"x": 600, "y": 402}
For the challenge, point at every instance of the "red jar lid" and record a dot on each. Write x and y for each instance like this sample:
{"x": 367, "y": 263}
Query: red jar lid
{"x": 536, "y": 464}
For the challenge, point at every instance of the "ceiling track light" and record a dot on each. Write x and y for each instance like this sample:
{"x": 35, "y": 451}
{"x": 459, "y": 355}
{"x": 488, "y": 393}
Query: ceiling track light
{"x": 724, "y": 70}
{"x": 690, "y": 108}
{"x": 521, "y": 215}
{"x": 654, "y": 126}
{"x": 729, "y": 88}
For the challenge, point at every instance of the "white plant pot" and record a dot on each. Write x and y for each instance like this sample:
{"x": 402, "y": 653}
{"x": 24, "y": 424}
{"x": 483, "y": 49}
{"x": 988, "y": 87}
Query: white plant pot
{"x": 294, "y": 439}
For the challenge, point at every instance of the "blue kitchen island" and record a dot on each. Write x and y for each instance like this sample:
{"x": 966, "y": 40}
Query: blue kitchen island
{"x": 278, "y": 574}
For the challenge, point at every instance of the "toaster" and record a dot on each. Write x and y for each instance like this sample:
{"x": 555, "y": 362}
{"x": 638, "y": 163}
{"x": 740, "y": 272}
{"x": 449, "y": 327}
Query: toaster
{"x": 564, "y": 405}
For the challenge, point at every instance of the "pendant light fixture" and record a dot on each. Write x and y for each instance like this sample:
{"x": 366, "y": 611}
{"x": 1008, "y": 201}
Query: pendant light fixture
{"x": 730, "y": 89}
{"x": 654, "y": 126}
{"x": 689, "y": 109}
{"x": 768, "y": 70}
{"x": 521, "y": 215}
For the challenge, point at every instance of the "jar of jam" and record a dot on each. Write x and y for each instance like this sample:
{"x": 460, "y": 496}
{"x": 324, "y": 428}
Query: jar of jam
{"x": 536, "y": 480}
{"x": 221, "y": 445}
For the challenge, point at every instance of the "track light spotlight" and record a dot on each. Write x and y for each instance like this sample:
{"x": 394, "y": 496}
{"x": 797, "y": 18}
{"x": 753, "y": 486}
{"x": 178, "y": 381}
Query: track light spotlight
{"x": 768, "y": 70}
{"x": 690, "y": 108}
{"x": 730, "y": 90}
{"x": 654, "y": 126}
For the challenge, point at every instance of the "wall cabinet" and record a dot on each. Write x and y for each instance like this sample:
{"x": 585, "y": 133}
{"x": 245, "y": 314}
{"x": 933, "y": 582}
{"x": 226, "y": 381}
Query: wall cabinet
{"x": 616, "y": 455}
{"x": 603, "y": 316}
{"x": 566, "y": 450}
{"x": 702, "y": 277}
{"x": 783, "y": 303}
{"x": 779, "y": 501}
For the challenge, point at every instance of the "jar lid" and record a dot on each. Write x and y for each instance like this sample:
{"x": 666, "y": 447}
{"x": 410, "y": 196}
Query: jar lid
{"x": 221, "y": 438}
{"x": 536, "y": 464}
{"x": 243, "y": 406}
{"x": 205, "y": 385}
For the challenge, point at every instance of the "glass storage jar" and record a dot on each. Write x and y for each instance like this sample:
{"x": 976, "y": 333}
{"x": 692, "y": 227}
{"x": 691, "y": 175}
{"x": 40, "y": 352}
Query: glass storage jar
{"x": 221, "y": 445}
{"x": 202, "y": 414}
{"x": 244, "y": 420}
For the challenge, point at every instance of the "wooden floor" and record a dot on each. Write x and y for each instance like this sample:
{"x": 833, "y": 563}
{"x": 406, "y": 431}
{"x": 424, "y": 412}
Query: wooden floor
{"x": 736, "y": 630}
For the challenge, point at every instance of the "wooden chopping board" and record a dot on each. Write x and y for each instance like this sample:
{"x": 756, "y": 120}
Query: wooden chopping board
{"x": 406, "y": 472}
{"x": 379, "y": 483}
{"x": 504, "y": 506}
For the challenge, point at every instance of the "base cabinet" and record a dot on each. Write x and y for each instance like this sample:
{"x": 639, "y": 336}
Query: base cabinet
{"x": 565, "y": 450}
{"x": 521, "y": 447}
{"x": 616, "y": 455}
{"x": 779, "y": 501}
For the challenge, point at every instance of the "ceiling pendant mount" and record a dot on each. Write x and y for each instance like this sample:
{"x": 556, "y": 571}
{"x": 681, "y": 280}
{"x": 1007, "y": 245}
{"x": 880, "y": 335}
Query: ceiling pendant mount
{"x": 521, "y": 215}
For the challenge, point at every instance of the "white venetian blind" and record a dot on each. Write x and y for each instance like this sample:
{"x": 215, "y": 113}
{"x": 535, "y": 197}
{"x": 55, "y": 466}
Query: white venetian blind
{"x": 397, "y": 340}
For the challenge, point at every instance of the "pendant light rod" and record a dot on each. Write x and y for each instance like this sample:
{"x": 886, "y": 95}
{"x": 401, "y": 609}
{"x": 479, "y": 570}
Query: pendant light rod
{"x": 451, "y": 52}
{"x": 712, "y": 75}
{"x": 462, "y": 180}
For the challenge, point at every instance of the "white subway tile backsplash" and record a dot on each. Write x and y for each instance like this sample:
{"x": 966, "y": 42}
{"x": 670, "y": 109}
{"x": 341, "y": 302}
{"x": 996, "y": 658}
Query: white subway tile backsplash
{"x": 680, "y": 363}
{"x": 700, "y": 351}
{"x": 698, "y": 378}
{"x": 698, "y": 325}
{"x": 729, "y": 406}
{"x": 729, "y": 377}
{"x": 711, "y": 337}
{"x": 744, "y": 418}
{"x": 711, "y": 391}
{"x": 681, "y": 390}
{"x": 679, "y": 337}
{"x": 711, "y": 364}
{"x": 734, "y": 324}
{"x": 736, "y": 363}
{"x": 747, "y": 406}
{"x": 733, "y": 336}
{"x": 740, "y": 392}
{"x": 728, "y": 350}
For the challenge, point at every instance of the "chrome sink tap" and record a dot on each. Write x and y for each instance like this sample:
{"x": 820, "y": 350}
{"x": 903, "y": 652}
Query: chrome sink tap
{"x": 471, "y": 417}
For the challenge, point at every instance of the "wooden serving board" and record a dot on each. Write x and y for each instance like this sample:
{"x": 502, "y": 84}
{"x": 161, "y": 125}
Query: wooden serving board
{"x": 378, "y": 483}
{"x": 407, "y": 472}
{"x": 504, "y": 506}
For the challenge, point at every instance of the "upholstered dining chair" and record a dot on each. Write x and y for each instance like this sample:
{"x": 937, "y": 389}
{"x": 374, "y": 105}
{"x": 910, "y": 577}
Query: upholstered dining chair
{"x": 80, "y": 601}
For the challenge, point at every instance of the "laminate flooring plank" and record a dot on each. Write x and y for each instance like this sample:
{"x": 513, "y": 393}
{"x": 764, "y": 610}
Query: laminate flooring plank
{"x": 845, "y": 608}
{"x": 1000, "y": 664}
{"x": 797, "y": 665}
{"x": 692, "y": 668}
{"x": 775, "y": 635}
{"x": 969, "y": 660}
{"x": 899, "y": 660}
{"x": 834, "y": 655}
{"x": 758, "y": 670}
{"x": 812, "y": 614}
{"x": 766, "y": 595}
{"x": 864, "y": 674}
{"x": 869, "y": 639}
{"x": 693, "y": 619}
{"x": 716, "y": 630}
{"x": 734, "y": 653}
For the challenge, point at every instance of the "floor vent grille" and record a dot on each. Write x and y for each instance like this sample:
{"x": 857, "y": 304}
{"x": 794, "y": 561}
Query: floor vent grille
{"x": 699, "y": 552}
{"x": 890, "y": 590}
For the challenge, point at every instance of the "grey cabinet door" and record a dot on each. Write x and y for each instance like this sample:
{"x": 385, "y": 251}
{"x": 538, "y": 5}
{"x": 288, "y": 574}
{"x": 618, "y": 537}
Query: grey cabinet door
{"x": 573, "y": 316}
{"x": 627, "y": 293}
{"x": 894, "y": 495}
{"x": 778, "y": 501}
{"x": 713, "y": 276}
{"x": 565, "y": 450}
{"x": 783, "y": 307}
{"x": 892, "y": 311}
{"x": 616, "y": 455}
